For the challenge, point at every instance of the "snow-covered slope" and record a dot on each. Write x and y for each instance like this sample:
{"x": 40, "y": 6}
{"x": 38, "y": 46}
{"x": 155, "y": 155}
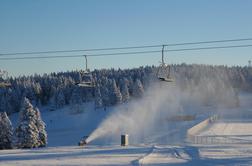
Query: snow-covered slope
{"x": 133, "y": 155}
{"x": 65, "y": 128}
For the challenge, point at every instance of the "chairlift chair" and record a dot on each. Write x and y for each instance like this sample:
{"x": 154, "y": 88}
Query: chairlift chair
{"x": 164, "y": 71}
{"x": 87, "y": 78}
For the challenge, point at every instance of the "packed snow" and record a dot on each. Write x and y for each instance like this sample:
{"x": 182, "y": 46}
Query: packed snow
{"x": 132, "y": 155}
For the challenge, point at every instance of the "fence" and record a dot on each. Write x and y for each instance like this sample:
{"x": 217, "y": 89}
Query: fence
{"x": 192, "y": 133}
{"x": 194, "y": 137}
{"x": 227, "y": 139}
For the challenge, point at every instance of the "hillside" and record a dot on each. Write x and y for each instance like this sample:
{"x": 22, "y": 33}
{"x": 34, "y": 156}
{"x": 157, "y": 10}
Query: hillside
{"x": 65, "y": 129}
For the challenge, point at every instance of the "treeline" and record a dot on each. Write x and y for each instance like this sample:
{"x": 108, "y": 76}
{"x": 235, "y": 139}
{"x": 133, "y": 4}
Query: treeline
{"x": 111, "y": 86}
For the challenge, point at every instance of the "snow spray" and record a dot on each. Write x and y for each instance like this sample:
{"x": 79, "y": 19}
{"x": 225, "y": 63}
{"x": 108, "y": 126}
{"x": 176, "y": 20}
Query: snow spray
{"x": 147, "y": 117}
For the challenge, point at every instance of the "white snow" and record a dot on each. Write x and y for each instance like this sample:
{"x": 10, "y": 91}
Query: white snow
{"x": 230, "y": 127}
{"x": 65, "y": 128}
{"x": 132, "y": 155}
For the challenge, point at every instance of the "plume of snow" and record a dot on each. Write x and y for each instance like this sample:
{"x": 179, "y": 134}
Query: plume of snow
{"x": 142, "y": 118}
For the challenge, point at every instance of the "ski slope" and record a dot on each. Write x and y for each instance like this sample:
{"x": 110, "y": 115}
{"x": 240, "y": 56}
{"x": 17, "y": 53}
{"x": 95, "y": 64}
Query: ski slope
{"x": 165, "y": 146}
{"x": 132, "y": 155}
{"x": 66, "y": 127}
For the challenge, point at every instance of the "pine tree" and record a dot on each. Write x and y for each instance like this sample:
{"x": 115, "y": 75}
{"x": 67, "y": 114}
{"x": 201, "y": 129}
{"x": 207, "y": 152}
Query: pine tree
{"x": 98, "y": 98}
{"x": 138, "y": 89}
{"x": 37, "y": 90}
{"x": 60, "y": 99}
{"x": 105, "y": 96}
{"x": 42, "y": 138}
{"x": 76, "y": 101}
{"x": 125, "y": 91}
{"x": 130, "y": 85}
{"x": 75, "y": 97}
{"x": 115, "y": 95}
{"x": 27, "y": 133}
{"x": 6, "y": 131}
{"x": 3, "y": 103}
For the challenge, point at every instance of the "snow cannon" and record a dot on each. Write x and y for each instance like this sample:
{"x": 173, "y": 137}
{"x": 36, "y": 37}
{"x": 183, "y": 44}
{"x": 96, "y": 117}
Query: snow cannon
{"x": 83, "y": 141}
{"x": 124, "y": 140}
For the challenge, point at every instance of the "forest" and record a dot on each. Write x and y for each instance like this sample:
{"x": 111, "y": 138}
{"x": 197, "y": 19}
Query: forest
{"x": 115, "y": 86}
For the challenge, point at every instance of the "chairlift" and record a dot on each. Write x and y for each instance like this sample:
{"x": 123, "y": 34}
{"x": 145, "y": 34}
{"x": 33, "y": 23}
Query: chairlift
{"x": 164, "y": 70}
{"x": 3, "y": 77}
{"x": 87, "y": 78}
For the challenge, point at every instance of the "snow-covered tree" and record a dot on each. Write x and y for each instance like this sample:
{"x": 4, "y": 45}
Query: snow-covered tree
{"x": 138, "y": 89}
{"x": 42, "y": 137}
{"x": 105, "y": 96}
{"x": 6, "y": 131}
{"x": 130, "y": 85}
{"x": 27, "y": 134}
{"x": 6, "y": 101}
{"x": 76, "y": 101}
{"x": 60, "y": 99}
{"x": 98, "y": 97}
{"x": 125, "y": 91}
{"x": 38, "y": 91}
{"x": 57, "y": 88}
{"x": 75, "y": 97}
{"x": 3, "y": 104}
{"x": 115, "y": 94}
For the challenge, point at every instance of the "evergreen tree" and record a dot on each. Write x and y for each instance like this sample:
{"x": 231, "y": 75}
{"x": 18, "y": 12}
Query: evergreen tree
{"x": 115, "y": 95}
{"x": 6, "y": 131}
{"x": 125, "y": 91}
{"x": 3, "y": 103}
{"x": 75, "y": 97}
{"x": 138, "y": 89}
{"x": 37, "y": 90}
{"x": 60, "y": 99}
{"x": 27, "y": 133}
{"x": 76, "y": 101}
{"x": 42, "y": 137}
{"x": 105, "y": 96}
{"x": 130, "y": 85}
{"x": 57, "y": 88}
{"x": 98, "y": 97}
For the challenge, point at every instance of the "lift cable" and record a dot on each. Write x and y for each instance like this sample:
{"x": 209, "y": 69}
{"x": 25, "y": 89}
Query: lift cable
{"x": 125, "y": 48}
{"x": 128, "y": 53}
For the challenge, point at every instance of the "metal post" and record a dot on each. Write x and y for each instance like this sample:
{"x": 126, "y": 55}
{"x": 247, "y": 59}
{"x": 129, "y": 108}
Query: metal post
{"x": 86, "y": 62}
{"x": 163, "y": 46}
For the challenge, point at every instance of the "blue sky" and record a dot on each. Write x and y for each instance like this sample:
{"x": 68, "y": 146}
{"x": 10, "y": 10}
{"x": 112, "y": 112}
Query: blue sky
{"x": 40, "y": 25}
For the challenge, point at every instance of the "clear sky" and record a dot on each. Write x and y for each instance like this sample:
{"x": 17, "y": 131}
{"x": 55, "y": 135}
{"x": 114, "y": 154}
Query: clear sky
{"x": 42, "y": 25}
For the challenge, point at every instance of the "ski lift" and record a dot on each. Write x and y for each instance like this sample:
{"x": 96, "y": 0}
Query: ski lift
{"x": 164, "y": 70}
{"x": 3, "y": 77}
{"x": 87, "y": 78}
